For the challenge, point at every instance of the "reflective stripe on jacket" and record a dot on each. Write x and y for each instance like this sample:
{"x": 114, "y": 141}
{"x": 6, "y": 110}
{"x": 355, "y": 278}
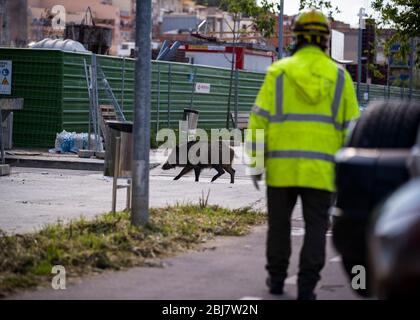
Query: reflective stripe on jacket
{"x": 305, "y": 107}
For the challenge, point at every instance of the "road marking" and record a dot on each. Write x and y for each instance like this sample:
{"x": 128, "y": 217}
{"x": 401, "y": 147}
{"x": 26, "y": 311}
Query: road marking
{"x": 291, "y": 280}
{"x": 336, "y": 259}
{"x": 250, "y": 298}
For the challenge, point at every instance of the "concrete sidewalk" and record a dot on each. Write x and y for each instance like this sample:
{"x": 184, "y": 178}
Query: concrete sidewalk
{"x": 227, "y": 268}
{"x": 32, "y": 197}
{"x": 43, "y": 159}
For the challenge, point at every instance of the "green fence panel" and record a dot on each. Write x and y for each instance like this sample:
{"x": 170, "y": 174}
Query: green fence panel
{"x": 36, "y": 77}
{"x": 53, "y": 84}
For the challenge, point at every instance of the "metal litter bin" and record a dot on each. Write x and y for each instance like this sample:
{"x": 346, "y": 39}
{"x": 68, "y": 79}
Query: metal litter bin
{"x": 190, "y": 116}
{"x": 123, "y": 130}
{"x": 7, "y": 105}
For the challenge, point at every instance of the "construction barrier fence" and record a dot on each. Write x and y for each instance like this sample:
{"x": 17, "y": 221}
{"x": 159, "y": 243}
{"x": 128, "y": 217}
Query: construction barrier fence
{"x": 54, "y": 87}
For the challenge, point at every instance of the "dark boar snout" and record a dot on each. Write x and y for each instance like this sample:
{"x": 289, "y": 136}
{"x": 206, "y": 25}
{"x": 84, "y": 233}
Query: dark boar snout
{"x": 172, "y": 160}
{"x": 167, "y": 166}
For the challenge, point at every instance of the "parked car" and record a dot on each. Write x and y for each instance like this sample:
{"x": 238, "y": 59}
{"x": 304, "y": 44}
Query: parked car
{"x": 382, "y": 155}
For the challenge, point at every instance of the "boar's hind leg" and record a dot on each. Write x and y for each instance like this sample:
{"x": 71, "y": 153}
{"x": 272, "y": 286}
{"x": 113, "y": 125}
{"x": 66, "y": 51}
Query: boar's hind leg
{"x": 183, "y": 171}
{"x": 220, "y": 171}
{"x": 197, "y": 171}
{"x": 231, "y": 171}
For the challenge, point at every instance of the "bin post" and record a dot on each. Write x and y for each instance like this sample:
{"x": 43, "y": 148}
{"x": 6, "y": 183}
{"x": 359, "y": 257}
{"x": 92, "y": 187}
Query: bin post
{"x": 116, "y": 173}
{"x": 190, "y": 117}
{"x": 128, "y": 201}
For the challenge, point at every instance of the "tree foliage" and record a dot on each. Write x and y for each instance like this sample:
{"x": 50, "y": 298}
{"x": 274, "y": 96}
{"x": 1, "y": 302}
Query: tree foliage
{"x": 262, "y": 15}
{"x": 404, "y": 17}
{"x": 323, "y": 5}
{"x": 264, "y": 21}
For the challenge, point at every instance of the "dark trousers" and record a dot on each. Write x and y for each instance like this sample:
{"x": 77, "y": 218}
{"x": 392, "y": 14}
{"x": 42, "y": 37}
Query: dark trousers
{"x": 281, "y": 202}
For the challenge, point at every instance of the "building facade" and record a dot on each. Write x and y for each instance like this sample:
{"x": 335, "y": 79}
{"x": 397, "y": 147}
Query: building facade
{"x": 41, "y": 16}
{"x": 13, "y": 23}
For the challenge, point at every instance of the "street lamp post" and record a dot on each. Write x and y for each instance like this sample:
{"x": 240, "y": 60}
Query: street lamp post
{"x": 412, "y": 52}
{"x": 361, "y": 15}
{"x": 281, "y": 22}
{"x": 141, "y": 127}
{"x": 368, "y": 80}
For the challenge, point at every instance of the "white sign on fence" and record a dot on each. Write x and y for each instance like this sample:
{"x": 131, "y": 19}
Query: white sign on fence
{"x": 5, "y": 77}
{"x": 202, "y": 87}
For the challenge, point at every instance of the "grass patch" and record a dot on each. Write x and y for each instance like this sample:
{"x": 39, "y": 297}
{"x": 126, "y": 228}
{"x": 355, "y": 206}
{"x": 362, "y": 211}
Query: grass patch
{"x": 111, "y": 242}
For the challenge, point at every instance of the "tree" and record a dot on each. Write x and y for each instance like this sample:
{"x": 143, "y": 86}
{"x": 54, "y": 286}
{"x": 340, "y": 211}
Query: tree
{"x": 404, "y": 17}
{"x": 263, "y": 15}
{"x": 264, "y": 20}
{"x": 323, "y": 5}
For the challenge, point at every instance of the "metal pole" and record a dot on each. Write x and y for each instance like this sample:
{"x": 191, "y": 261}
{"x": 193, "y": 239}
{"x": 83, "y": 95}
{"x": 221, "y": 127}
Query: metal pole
{"x": 194, "y": 74}
{"x": 95, "y": 100}
{"x": 111, "y": 96}
{"x": 90, "y": 103}
{"x": 123, "y": 85}
{"x": 359, "y": 63}
{"x": 281, "y": 22}
{"x": 359, "y": 52}
{"x": 128, "y": 200}
{"x": 141, "y": 129}
{"x": 388, "y": 75}
{"x": 96, "y": 94}
{"x": 236, "y": 97}
{"x": 158, "y": 99}
{"x": 232, "y": 69}
{"x": 92, "y": 110}
{"x": 387, "y": 79}
{"x": 367, "y": 77}
{"x": 169, "y": 95}
{"x": 410, "y": 92}
{"x": 116, "y": 173}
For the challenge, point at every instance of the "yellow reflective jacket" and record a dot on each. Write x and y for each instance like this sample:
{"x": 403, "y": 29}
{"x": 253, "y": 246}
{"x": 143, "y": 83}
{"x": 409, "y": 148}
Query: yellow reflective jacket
{"x": 305, "y": 107}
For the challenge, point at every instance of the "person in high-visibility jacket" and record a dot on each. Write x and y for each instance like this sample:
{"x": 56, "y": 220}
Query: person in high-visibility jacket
{"x": 304, "y": 110}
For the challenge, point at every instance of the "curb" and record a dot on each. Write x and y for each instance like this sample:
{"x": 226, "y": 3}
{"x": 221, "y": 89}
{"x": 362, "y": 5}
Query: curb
{"x": 91, "y": 165}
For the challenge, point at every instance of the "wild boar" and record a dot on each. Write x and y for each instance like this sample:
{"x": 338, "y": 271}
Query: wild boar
{"x": 197, "y": 155}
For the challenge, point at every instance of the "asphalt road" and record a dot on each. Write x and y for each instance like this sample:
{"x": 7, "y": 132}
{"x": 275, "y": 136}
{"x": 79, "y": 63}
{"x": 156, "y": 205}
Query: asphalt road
{"x": 228, "y": 268}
